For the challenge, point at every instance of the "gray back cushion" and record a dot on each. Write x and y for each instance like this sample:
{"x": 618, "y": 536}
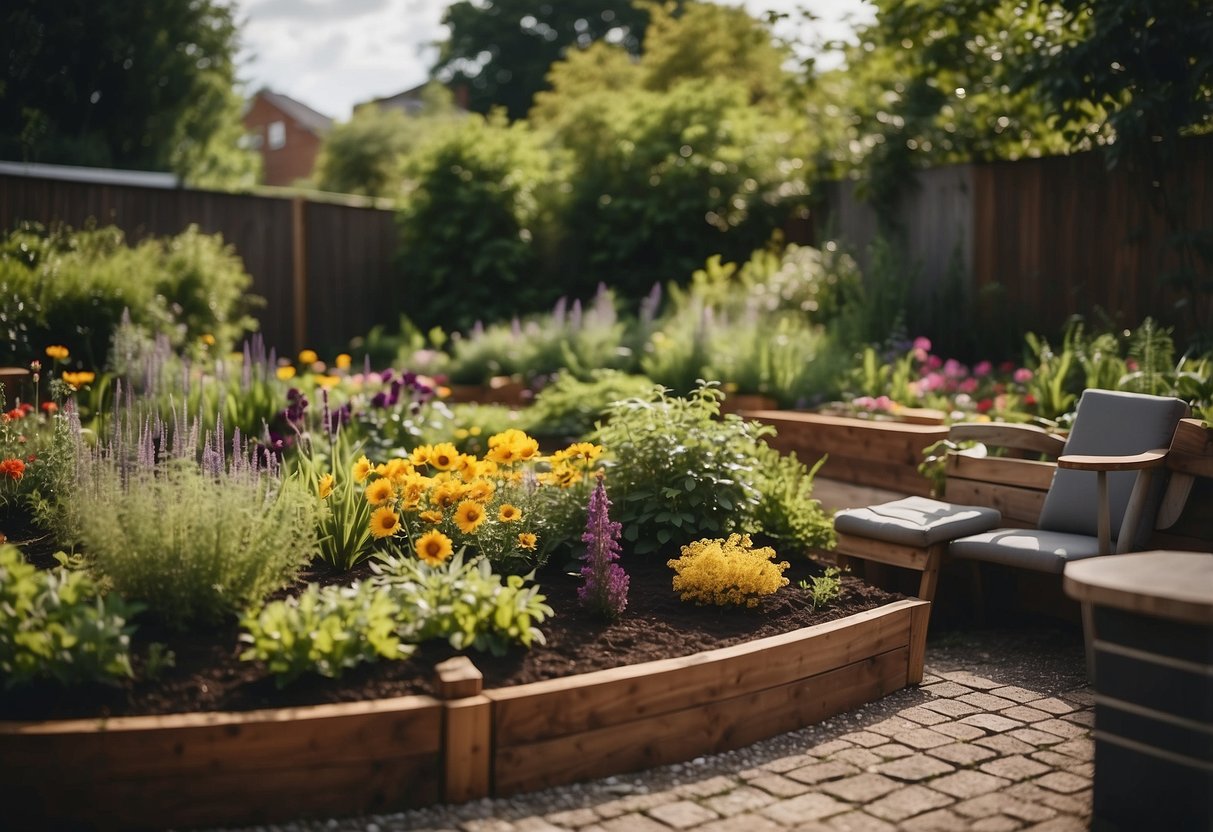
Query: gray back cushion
{"x": 1109, "y": 423}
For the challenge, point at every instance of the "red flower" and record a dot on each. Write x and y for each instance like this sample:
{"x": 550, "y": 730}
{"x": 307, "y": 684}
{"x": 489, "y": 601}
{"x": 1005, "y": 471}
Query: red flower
{"x": 26, "y": 407}
{"x": 14, "y": 469}
{"x": 1029, "y": 400}
{"x": 49, "y": 407}
{"x": 984, "y": 405}
{"x": 14, "y": 414}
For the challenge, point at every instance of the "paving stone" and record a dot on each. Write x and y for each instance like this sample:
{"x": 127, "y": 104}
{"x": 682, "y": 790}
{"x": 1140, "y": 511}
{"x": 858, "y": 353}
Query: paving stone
{"x": 966, "y": 784}
{"x": 893, "y": 725}
{"x": 683, "y": 814}
{"x": 488, "y": 825}
{"x": 535, "y": 825}
{"x": 1063, "y": 781}
{"x": 962, "y": 753}
{"x": 1025, "y": 713}
{"x": 1030, "y": 794}
{"x": 856, "y": 821}
{"x": 947, "y": 689}
{"x": 1060, "y": 824}
{"x": 992, "y": 722}
{"x": 748, "y": 822}
{"x": 573, "y": 818}
{"x": 951, "y": 707}
{"x": 1053, "y": 705}
{"x": 633, "y": 823}
{"x": 941, "y": 820}
{"x": 861, "y": 757}
{"x": 1082, "y": 748}
{"x": 807, "y": 807}
{"x": 923, "y": 738}
{"x": 997, "y": 823}
{"x": 788, "y": 763}
{"x": 1001, "y": 803}
{"x": 743, "y": 799}
{"x": 708, "y": 787}
{"x": 1083, "y": 770}
{"x": 821, "y": 772}
{"x": 959, "y": 731}
{"x": 1005, "y": 744}
{"x": 907, "y": 802}
{"x": 1035, "y": 737}
{"x": 1015, "y": 693}
{"x": 966, "y": 678}
{"x": 1052, "y": 758}
{"x": 986, "y": 701}
{"x": 1083, "y": 697}
{"x": 631, "y": 803}
{"x": 923, "y": 716}
{"x": 892, "y": 751}
{"x": 1061, "y": 727}
{"x": 1016, "y": 767}
{"x": 778, "y": 785}
{"x": 866, "y": 739}
{"x": 862, "y": 788}
{"x": 1083, "y": 718}
{"x": 825, "y": 749}
{"x": 913, "y": 769}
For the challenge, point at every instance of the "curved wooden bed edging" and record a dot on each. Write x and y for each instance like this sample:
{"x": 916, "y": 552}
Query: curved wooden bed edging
{"x": 384, "y": 755}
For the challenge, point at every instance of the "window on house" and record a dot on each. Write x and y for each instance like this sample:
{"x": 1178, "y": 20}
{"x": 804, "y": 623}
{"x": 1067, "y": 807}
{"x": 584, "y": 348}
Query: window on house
{"x": 277, "y": 135}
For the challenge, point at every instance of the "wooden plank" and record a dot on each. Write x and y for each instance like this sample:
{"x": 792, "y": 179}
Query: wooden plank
{"x": 892, "y": 476}
{"x": 468, "y": 745}
{"x": 1008, "y": 435}
{"x": 1174, "y": 585}
{"x": 730, "y": 723}
{"x": 834, "y": 494}
{"x": 894, "y": 554}
{"x": 457, "y": 678}
{"x": 1018, "y": 505}
{"x": 191, "y": 744}
{"x": 610, "y": 697}
{"x": 1026, "y": 473}
{"x": 919, "y": 619}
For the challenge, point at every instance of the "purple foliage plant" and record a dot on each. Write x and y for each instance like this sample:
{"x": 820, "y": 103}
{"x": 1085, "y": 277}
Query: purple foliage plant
{"x": 605, "y": 590}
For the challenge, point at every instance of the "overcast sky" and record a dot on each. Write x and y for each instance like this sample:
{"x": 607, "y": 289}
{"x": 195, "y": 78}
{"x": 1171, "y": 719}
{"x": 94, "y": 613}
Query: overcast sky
{"x": 333, "y": 54}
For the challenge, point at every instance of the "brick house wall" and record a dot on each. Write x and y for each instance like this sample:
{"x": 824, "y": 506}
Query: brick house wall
{"x": 288, "y": 147}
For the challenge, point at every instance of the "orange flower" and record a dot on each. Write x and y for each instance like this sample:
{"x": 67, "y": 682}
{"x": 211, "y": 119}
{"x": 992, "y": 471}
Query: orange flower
{"x": 443, "y": 456}
{"x": 527, "y": 540}
{"x": 433, "y": 547}
{"x": 469, "y": 516}
{"x": 384, "y": 522}
{"x": 509, "y": 513}
{"x": 12, "y": 468}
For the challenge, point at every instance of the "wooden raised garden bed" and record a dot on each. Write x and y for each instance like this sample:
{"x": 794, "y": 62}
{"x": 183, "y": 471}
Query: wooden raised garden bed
{"x": 264, "y": 766}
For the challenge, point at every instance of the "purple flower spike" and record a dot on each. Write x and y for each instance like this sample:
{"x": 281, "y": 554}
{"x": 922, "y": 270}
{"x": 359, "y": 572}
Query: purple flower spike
{"x": 606, "y": 584}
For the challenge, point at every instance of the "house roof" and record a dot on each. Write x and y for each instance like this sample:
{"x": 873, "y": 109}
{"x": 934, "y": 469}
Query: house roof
{"x": 318, "y": 123}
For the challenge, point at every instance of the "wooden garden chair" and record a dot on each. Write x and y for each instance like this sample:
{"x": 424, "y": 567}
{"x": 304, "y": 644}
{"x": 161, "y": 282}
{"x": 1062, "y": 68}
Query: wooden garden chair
{"x": 1102, "y": 497}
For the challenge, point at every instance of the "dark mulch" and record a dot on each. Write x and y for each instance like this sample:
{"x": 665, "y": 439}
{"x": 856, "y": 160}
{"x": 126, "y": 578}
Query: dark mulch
{"x": 209, "y": 676}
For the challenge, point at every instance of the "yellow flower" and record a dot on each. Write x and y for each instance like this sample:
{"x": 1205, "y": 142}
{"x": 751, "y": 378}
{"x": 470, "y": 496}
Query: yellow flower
{"x": 384, "y": 522}
{"x": 431, "y": 516}
{"x": 79, "y": 379}
{"x": 307, "y": 357}
{"x": 325, "y": 486}
{"x": 208, "y": 339}
{"x": 443, "y": 456}
{"x": 57, "y": 352}
{"x": 362, "y": 469}
{"x": 327, "y": 380}
{"x": 433, "y": 547}
{"x": 412, "y": 488}
{"x": 379, "y": 492}
{"x": 502, "y": 455}
{"x": 420, "y": 456}
{"x": 527, "y": 540}
{"x": 469, "y": 516}
{"x": 480, "y": 490}
{"x": 286, "y": 373}
{"x": 509, "y": 513}
{"x": 446, "y": 494}
{"x": 343, "y": 361}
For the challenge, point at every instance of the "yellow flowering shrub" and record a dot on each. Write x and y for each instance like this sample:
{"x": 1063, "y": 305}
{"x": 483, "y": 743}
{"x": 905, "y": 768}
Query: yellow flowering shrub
{"x": 732, "y": 571}
{"x": 437, "y": 500}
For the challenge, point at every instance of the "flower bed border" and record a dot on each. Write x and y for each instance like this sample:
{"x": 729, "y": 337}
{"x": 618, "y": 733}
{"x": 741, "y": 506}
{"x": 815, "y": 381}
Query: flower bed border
{"x": 384, "y": 755}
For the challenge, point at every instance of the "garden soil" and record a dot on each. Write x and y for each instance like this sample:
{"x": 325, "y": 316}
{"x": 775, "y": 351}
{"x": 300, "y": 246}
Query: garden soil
{"x": 208, "y": 675}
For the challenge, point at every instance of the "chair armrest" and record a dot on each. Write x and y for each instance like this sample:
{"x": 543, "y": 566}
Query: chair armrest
{"x": 1009, "y": 435}
{"x": 1135, "y": 462}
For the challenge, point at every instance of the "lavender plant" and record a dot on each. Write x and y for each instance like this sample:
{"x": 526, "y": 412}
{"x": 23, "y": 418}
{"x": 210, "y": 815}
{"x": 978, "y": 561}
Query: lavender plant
{"x": 605, "y": 590}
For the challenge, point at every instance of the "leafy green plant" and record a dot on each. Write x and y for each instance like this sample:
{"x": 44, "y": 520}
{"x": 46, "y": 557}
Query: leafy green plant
{"x": 56, "y": 624}
{"x": 823, "y": 589}
{"x": 786, "y": 510}
{"x": 343, "y": 519}
{"x": 465, "y": 603}
{"x": 325, "y": 631}
{"x": 729, "y": 571}
{"x": 570, "y": 406}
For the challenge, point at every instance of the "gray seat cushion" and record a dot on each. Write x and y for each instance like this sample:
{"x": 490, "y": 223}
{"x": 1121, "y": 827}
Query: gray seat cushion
{"x": 1109, "y": 423}
{"x": 1044, "y": 551}
{"x": 916, "y": 521}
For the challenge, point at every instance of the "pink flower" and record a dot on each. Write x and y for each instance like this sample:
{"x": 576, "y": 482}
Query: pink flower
{"x": 969, "y": 385}
{"x": 1022, "y": 376}
{"x": 922, "y": 343}
{"x": 934, "y": 362}
{"x": 954, "y": 369}
{"x": 982, "y": 368}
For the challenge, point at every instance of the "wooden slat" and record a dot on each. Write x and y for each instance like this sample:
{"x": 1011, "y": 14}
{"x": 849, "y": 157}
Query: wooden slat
{"x": 457, "y": 678}
{"x": 1018, "y": 505}
{"x": 894, "y": 554}
{"x": 468, "y": 742}
{"x": 1026, "y": 473}
{"x": 668, "y": 737}
{"x": 919, "y": 620}
{"x": 527, "y": 713}
{"x": 1007, "y": 435}
{"x": 903, "y": 478}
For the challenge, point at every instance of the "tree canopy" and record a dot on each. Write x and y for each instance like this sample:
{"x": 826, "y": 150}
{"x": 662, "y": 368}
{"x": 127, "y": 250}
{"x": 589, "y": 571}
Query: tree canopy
{"x": 144, "y": 86}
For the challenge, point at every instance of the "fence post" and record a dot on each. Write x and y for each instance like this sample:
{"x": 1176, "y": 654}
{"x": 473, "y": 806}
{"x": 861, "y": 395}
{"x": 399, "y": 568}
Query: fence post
{"x": 299, "y": 270}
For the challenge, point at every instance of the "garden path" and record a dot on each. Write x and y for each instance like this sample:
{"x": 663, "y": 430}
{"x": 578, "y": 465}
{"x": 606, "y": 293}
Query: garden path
{"x": 997, "y": 737}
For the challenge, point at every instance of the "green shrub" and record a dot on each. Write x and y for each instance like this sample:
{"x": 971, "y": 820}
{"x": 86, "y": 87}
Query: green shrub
{"x": 569, "y": 406}
{"x": 55, "y": 624}
{"x": 786, "y": 511}
{"x": 325, "y": 631}
{"x": 465, "y": 603}
{"x": 37, "y": 452}
{"x": 71, "y": 287}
